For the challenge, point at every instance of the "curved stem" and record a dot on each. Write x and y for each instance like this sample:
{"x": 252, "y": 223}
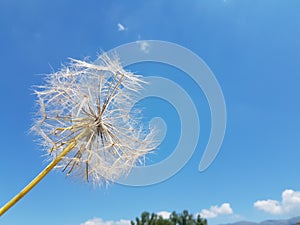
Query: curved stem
{"x": 38, "y": 178}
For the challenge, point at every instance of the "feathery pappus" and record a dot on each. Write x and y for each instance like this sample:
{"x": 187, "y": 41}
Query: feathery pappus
{"x": 90, "y": 104}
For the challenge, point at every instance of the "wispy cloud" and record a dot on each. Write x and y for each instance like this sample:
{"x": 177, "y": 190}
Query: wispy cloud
{"x": 144, "y": 46}
{"x": 289, "y": 204}
{"x": 215, "y": 211}
{"x": 121, "y": 27}
{"x": 100, "y": 221}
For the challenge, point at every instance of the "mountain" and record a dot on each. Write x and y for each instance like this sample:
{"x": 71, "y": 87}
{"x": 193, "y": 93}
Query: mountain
{"x": 291, "y": 221}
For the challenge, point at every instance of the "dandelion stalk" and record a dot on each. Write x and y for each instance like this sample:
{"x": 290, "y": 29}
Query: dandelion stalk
{"x": 85, "y": 122}
{"x": 37, "y": 179}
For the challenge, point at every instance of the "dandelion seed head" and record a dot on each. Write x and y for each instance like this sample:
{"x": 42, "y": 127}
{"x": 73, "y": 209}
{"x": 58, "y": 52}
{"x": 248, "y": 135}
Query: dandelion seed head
{"x": 90, "y": 104}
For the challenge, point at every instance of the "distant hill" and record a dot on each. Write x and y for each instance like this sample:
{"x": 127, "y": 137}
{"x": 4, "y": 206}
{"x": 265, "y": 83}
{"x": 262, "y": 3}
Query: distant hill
{"x": 291, "y": 221}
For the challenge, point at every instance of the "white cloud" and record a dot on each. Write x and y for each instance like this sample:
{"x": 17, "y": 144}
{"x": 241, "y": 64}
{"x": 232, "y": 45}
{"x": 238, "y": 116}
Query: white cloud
{"x": 164, "y": 214}
{"x": 271, "y": 206}
{"x": 215, "y": 211}
{"x": 121, "y": 27}
{"x": 144, "y": 46}
{"x": 290, "y": 203}
{"x": 100, "y": 221}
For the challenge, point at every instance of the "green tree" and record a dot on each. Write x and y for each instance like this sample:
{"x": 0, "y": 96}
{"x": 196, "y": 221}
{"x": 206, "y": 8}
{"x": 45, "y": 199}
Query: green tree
{"x": 183, "y": 218}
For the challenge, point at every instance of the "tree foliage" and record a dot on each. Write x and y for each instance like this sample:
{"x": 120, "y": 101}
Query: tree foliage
{"x": 183, "y": 218}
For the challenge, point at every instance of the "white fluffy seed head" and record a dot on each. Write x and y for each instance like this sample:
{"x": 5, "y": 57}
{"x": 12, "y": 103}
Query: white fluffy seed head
{"x": 91, "y": 103}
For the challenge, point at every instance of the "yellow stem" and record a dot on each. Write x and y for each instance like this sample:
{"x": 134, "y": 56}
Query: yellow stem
{"x": 38, "y": 178}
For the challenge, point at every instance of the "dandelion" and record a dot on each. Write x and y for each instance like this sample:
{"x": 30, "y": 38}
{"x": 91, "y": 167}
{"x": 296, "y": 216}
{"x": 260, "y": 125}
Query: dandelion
{"x": 86, "y": 123}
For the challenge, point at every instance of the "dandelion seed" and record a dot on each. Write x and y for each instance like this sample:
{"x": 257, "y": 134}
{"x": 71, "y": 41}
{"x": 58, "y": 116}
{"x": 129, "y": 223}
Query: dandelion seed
{"x": 85, "y": 123}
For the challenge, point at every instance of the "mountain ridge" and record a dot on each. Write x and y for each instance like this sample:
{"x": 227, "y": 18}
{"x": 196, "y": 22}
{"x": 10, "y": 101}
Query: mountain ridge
{"x": 291, "y": 221}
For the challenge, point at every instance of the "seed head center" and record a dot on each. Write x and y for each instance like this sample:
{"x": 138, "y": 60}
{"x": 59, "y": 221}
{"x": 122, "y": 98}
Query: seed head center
{"x": 99, "y": 125}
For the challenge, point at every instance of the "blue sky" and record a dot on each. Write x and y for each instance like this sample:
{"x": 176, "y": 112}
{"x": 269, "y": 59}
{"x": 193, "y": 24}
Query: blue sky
{"x": 252, "y": 47}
